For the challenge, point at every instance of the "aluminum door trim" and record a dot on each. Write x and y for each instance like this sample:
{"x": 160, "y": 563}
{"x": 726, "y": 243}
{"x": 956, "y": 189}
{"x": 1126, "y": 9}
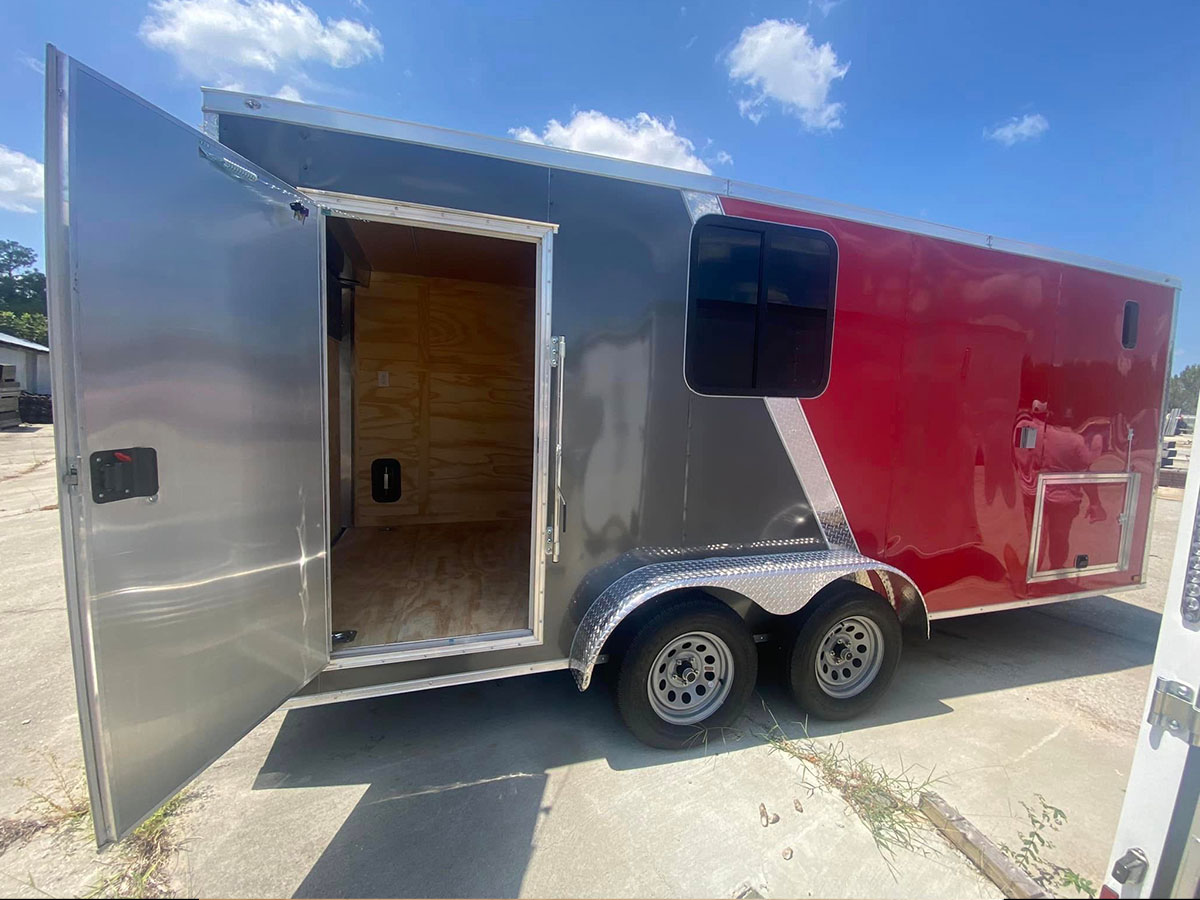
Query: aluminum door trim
{"x": 66, "y": 440}
{"x": 366, "y": 692}
{"x": 384, "y": 654}
{"x": 1131, "y": 480}
{"x": 541, "y": 234}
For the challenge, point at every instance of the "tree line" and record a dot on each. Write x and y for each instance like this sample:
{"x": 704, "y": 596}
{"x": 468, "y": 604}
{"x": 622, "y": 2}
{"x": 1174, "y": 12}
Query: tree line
{"x": 22, "y": 294}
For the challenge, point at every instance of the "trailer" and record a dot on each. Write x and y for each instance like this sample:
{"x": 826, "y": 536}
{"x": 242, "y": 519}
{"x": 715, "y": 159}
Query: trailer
{"x": 351, "y": 407}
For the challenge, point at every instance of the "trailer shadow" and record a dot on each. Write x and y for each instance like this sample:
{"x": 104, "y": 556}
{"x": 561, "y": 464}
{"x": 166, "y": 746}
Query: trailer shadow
{"x": 457, "y": 777}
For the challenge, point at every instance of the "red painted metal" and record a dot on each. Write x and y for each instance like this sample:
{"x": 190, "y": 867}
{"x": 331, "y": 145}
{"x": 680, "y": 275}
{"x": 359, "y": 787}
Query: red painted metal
{"x": 942, "y": 352}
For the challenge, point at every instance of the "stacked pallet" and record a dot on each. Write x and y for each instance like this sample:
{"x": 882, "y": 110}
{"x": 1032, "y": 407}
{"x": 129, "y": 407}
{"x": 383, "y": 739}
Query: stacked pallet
{"x": 10, "y": 397}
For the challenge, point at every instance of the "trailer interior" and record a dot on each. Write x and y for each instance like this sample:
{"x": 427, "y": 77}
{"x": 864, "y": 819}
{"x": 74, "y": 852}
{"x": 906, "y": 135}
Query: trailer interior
{"x": 431, "y": 365}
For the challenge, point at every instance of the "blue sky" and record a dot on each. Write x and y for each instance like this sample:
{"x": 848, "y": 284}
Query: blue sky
{"x": 1068, "y": 124}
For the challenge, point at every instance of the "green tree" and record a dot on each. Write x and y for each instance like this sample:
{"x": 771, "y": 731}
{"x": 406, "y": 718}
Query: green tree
{"x": 14, "y": 256}
{"x": 1184, "y": 390}
{"x": 30, "y": 326}
{"x": 22, "y": 293}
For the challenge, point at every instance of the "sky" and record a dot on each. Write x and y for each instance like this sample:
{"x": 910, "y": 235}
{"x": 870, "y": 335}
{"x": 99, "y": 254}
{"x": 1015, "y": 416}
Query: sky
{"x": 1069, "y": 124}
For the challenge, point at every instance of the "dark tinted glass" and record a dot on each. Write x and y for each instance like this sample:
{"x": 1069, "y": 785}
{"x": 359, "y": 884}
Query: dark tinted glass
{"x": 792, "y": 343}
{"x": 1129, "y": 328}
{"x": 760, "y": 308}
{"x": 724, "y": 289}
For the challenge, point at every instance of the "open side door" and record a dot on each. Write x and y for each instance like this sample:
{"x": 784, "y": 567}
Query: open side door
{"x": 187, "y": 333}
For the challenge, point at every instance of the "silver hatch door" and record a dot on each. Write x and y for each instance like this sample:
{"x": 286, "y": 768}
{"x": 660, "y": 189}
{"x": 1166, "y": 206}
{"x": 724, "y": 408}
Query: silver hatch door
{"x": 187, "y": 336}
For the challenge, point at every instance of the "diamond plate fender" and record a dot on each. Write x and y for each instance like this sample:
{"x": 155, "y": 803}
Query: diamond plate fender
{"x": 780, "y": 583}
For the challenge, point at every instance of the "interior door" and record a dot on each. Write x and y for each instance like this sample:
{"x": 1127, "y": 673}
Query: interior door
{"x": 188, "y": 333}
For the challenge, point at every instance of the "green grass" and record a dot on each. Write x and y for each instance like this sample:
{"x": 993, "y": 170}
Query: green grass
{"x": 138, "y": 866}
{"x": 885, "y": 802}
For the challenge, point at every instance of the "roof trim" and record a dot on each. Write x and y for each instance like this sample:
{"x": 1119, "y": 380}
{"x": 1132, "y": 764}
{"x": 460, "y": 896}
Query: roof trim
{"x": 13, "y": 341}
{"x": 222, "y": 102}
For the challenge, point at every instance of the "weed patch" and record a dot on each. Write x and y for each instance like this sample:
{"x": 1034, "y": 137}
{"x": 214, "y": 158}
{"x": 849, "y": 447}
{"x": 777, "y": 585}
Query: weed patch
{"x": 1035, "y": 843}
{"x": 885, "y": 802}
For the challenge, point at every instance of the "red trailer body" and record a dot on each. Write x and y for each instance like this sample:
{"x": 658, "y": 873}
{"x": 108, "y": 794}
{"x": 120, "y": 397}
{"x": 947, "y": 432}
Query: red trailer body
{"x": 943, "y": 354}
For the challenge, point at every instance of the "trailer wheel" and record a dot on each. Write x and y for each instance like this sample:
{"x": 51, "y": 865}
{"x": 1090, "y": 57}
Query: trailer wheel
{"x": 690, "y": 668}
{"x": 845, "y": 653}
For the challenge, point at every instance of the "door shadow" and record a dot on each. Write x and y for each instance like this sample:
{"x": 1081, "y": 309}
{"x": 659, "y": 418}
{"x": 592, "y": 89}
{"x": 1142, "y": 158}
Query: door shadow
{"x": 456, "y": 777}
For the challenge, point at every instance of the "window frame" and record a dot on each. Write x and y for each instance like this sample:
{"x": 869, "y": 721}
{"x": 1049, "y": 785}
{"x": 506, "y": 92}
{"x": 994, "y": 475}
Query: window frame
{"x": 766, "y": 230}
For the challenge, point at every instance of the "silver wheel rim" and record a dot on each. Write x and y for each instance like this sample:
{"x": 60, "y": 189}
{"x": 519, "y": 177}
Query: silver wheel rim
{"x": 849, "y": 657}
{"x": 690, "y": 678}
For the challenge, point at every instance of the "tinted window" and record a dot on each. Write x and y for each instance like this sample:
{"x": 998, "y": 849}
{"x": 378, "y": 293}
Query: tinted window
{"x": 1129, "y": 327}
{"x": 760, "y": 307}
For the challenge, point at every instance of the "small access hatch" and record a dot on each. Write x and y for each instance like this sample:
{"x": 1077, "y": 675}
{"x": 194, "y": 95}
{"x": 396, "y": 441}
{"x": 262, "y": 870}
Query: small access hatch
{"x": 1082, "y": 524}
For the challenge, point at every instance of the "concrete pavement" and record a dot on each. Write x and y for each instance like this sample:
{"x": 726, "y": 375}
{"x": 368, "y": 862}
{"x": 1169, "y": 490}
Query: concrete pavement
{"x": 525, "y": 787}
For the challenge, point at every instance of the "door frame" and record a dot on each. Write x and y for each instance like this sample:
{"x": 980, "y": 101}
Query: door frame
{"x": 1126, "y": 519}
{"x": 541, "y": 234}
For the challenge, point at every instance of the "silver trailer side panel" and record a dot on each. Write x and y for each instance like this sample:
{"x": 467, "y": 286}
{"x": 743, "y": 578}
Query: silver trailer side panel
{"x": 187, "y": 318}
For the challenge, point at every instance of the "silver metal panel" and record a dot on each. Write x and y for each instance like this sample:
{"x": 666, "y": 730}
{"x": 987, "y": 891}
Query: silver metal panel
{"x": 224, "y": 102}
{"x": 1131, "y": 480}
{"x": 779, "y": 583}
{"x": 702, "y": 204}
{"x": 188, "y": 318}
{"x": 801, "y": 445}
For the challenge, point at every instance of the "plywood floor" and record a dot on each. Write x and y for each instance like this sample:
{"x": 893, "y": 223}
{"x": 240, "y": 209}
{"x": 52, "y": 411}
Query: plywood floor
{"x": 419, "y": 582}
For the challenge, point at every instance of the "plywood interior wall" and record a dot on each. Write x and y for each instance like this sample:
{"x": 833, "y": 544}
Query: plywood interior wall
{"x": 444, "y": 384}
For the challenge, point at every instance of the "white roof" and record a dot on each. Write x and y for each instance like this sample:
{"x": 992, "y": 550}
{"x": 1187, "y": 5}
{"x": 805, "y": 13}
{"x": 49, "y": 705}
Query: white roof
{"x": 14, "y": 341}
{"x": 234, "y": 103}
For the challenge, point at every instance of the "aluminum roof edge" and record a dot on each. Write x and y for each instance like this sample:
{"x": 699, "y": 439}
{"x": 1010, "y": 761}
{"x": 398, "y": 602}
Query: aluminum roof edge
{"x": 217, "y": 101}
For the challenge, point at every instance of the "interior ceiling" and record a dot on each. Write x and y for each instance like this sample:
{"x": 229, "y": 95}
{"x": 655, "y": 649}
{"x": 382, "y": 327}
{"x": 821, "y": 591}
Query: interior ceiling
{"x": 444, "y": 254}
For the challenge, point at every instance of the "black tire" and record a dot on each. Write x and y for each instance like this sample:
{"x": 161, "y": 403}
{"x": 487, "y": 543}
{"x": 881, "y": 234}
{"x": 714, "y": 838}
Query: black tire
{"x": 835, "y": 605}
{"x": 694, "y": 615}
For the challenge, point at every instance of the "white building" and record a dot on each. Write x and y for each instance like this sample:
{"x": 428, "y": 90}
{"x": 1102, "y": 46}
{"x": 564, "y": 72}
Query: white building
{"x": 32, "y": 362}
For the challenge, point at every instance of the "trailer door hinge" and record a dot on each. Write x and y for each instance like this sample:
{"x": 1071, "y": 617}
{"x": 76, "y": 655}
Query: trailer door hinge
{"x": 554, "y": 353}
{"x": 549, "y": 540}
{"x": 1173, "y": 708}
{"x": 71, "y": 479}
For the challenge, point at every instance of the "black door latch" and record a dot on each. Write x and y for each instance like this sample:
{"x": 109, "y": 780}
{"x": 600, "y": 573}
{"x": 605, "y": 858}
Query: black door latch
{"x": 124, "y": 474}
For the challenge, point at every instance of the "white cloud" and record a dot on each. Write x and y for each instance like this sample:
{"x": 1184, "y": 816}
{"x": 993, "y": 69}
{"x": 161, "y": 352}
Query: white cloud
{"x": 724, "y": 158}
{"x": 778, "y": 60}
{"x": 1024, "y": 128}
{"x": 266, "y": 44}
{"x": 20, "y": 181}
{"x": 825, "y": 7}
{"x": 32, "y": 62}
{"x": 643, "y": 138}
